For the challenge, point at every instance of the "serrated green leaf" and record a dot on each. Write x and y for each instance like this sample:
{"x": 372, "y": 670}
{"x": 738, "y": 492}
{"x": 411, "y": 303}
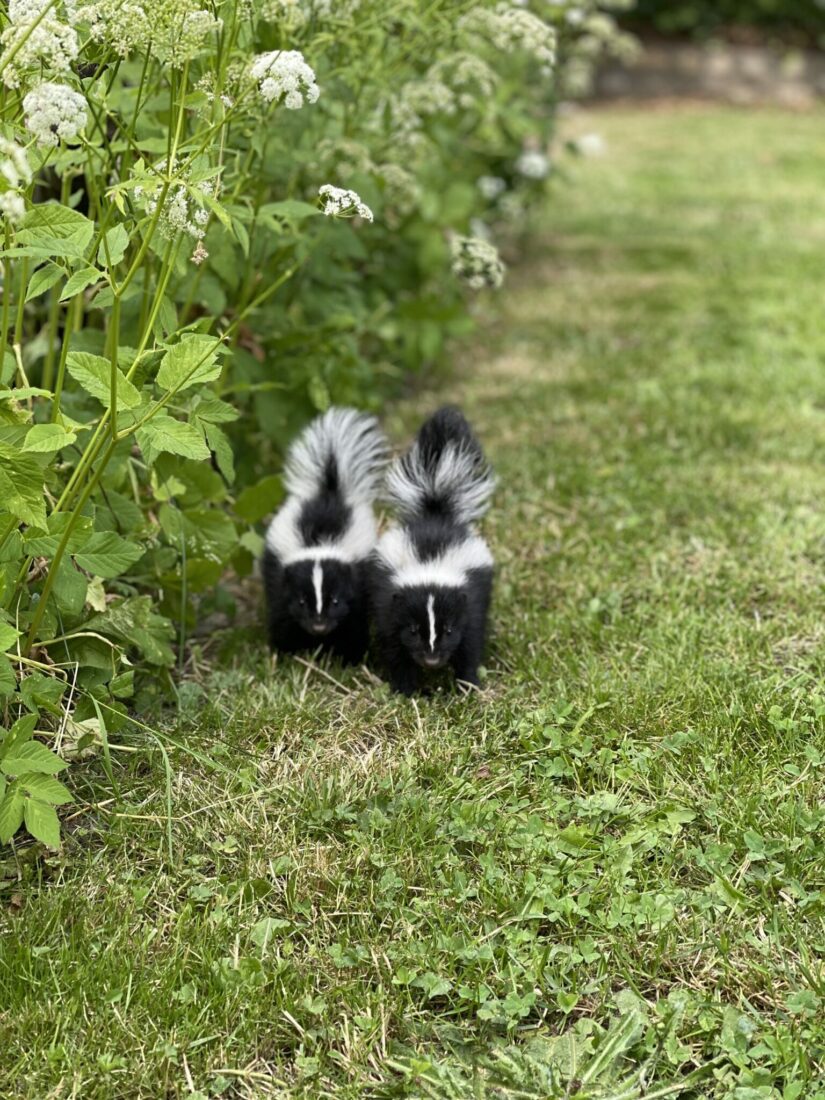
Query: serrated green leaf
{"x": 18, "y": 735}
{"x": 219, "y": 444}
{"x": 80, "y": 281}
{"x": 47, "y": 438}
{"x": 117, "y": 241}
{"x": 135, "y": 622}
{"x": 21, "y": 486}
{"x": 11, "y": 813}
{"x": 290, "y": 209}
{"x": 257, "y": 501}
{"x": 23, "y": 392}
{"x": 93, "y": 373}
{"x": 42, "y": 822}
{"x": 209, "y": 407}
{"x": 165, "y": 434}
{"x": 46, "y": 788}
{"x": 56, "y": 228}
{"x": 43, "y": 279}
{"x": 32, "y": 756}
{"x": 8, "y": 636}
{"x": 106, "y": 554}
{"x": 193, "y": 360}
{"x": 69, "y": 588}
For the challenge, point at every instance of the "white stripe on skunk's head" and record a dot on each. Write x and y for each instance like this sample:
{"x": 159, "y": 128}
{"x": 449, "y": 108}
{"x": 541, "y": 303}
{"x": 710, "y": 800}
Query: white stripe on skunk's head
{"x": 431, "y": 617}
{"x": 318, "y": 585}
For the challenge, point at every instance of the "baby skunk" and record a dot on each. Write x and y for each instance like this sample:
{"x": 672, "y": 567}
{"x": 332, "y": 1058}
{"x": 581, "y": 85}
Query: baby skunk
{"x": 319, "y": 543}
{"x": 432, "y": 573}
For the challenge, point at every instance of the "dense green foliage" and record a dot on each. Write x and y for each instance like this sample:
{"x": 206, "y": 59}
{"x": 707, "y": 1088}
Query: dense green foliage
{"x": 609, "y": 867}
{"x": 798, "y": 19}
{"x": 175, "y": 303}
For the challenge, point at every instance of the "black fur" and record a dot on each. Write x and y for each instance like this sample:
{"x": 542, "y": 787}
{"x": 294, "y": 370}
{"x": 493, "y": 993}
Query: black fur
{"x": 402, "y": 626}
{"x": 317, "y": 548}
{"x": 292, "y": 623}
{"x": 433, "y": 525}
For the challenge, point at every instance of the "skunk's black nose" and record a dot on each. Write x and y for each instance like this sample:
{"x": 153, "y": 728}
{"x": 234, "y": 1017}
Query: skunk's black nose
{"x": 320, "y": 628}
{"x": 432, "y": 662}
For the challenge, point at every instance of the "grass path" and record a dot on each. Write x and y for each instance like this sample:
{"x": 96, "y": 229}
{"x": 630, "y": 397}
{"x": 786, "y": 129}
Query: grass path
{"x": 619, "y": 847}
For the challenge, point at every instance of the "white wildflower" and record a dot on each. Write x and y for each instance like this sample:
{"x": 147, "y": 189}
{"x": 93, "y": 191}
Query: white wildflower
{"x": 26, "y": 11}
{"x": 402, "y": 193}
{"x": 339, "y": 9}
{"x": 285, "y": 73}
{"x": 510, "y": 28}
{"x": 428, "y": 97}
{"x": 533, "y": 165}
{"x": 54, "y": 113}
{"x": 12, "y": 206}
{"x": 15, "y": 167}
{"x": 182, "y": 210}
{"x": 468, "y": 77}
{"x": 199, "y": 255}
{"x": 590, "y": 145}
{"x": 339, "y": 202}
{"x": 491, "y": 186}
{"x": 174, "y": 30}
{"x": 481, "y": 229}
{"x": 346, "y": 157}
{"x": 29, "y": 44}
{"x": 288, "y": 13}
{"x": 476, "y": 262}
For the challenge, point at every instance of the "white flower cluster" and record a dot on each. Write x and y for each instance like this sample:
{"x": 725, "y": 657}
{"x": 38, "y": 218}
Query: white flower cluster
{"x": 181, "y": 212}
{"x": 533, "y": 165}
{"x": 285, "y": 73}
{"x": 590, "y": 145}
{"x": 54, "y": 113}
{"x": 346, "y": 157}
{"x": 428, "y": 97}
{"x": 36, "y": 39}
{"x": 491, "y": 186}
{"x": 296, "y": 13}
{"x": 174, "y": 29}
{"x": 468, "y": 77}
{"x": 16, "y": 171}
{"x": 476, "y": 262}
{"x": 339, "y": 202}
{"x": 510, "y": 27}
{"x": 402, "y": 192}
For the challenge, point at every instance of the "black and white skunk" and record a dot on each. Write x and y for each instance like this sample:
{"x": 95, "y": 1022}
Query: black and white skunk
{"x": 432, "y": 572}
{"x": 317, "y": 547}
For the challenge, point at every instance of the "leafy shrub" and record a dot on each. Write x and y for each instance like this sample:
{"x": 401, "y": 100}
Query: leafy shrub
{"x": 796, "y": 18}
{"x": 216, "y": 220}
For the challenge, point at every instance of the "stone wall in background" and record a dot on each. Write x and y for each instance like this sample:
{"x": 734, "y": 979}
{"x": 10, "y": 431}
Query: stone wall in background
{"x": 735, "y": 74}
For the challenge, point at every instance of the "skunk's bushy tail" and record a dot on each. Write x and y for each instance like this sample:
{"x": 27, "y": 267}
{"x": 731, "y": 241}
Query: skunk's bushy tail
{"x": 443, "y": 473}
{"x": 342, "y": 451}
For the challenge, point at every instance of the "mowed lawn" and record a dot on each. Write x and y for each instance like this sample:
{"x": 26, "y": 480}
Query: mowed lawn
{"x": 605, "y": 875}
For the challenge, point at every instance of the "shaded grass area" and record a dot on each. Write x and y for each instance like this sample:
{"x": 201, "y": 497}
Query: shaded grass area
{"x": 603, "y": 877}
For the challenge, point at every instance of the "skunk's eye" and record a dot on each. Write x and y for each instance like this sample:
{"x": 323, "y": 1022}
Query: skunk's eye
{"x": 303, "y": 601}
{"x": 335, "y": 603}
{"x": 449, "y": 630}
{"x": 413, "y": 628}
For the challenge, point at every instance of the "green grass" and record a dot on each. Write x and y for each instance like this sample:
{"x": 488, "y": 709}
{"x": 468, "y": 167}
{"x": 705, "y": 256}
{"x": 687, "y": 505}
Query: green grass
{"x": 609, "y": 862}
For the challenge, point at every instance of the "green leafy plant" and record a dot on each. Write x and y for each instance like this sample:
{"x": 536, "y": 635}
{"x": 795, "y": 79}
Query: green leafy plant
{"x": 217, "y": 220}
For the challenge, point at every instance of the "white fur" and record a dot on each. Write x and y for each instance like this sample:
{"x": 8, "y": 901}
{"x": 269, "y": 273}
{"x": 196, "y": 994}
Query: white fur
{"x": 448, "y": 570}
{"x": 459, "y": 476}
{"x": 359, "y": 447}
{"x": 318, "y": 585}
{"x": 283, "y": 537}
{"x": 431, "y": 616}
